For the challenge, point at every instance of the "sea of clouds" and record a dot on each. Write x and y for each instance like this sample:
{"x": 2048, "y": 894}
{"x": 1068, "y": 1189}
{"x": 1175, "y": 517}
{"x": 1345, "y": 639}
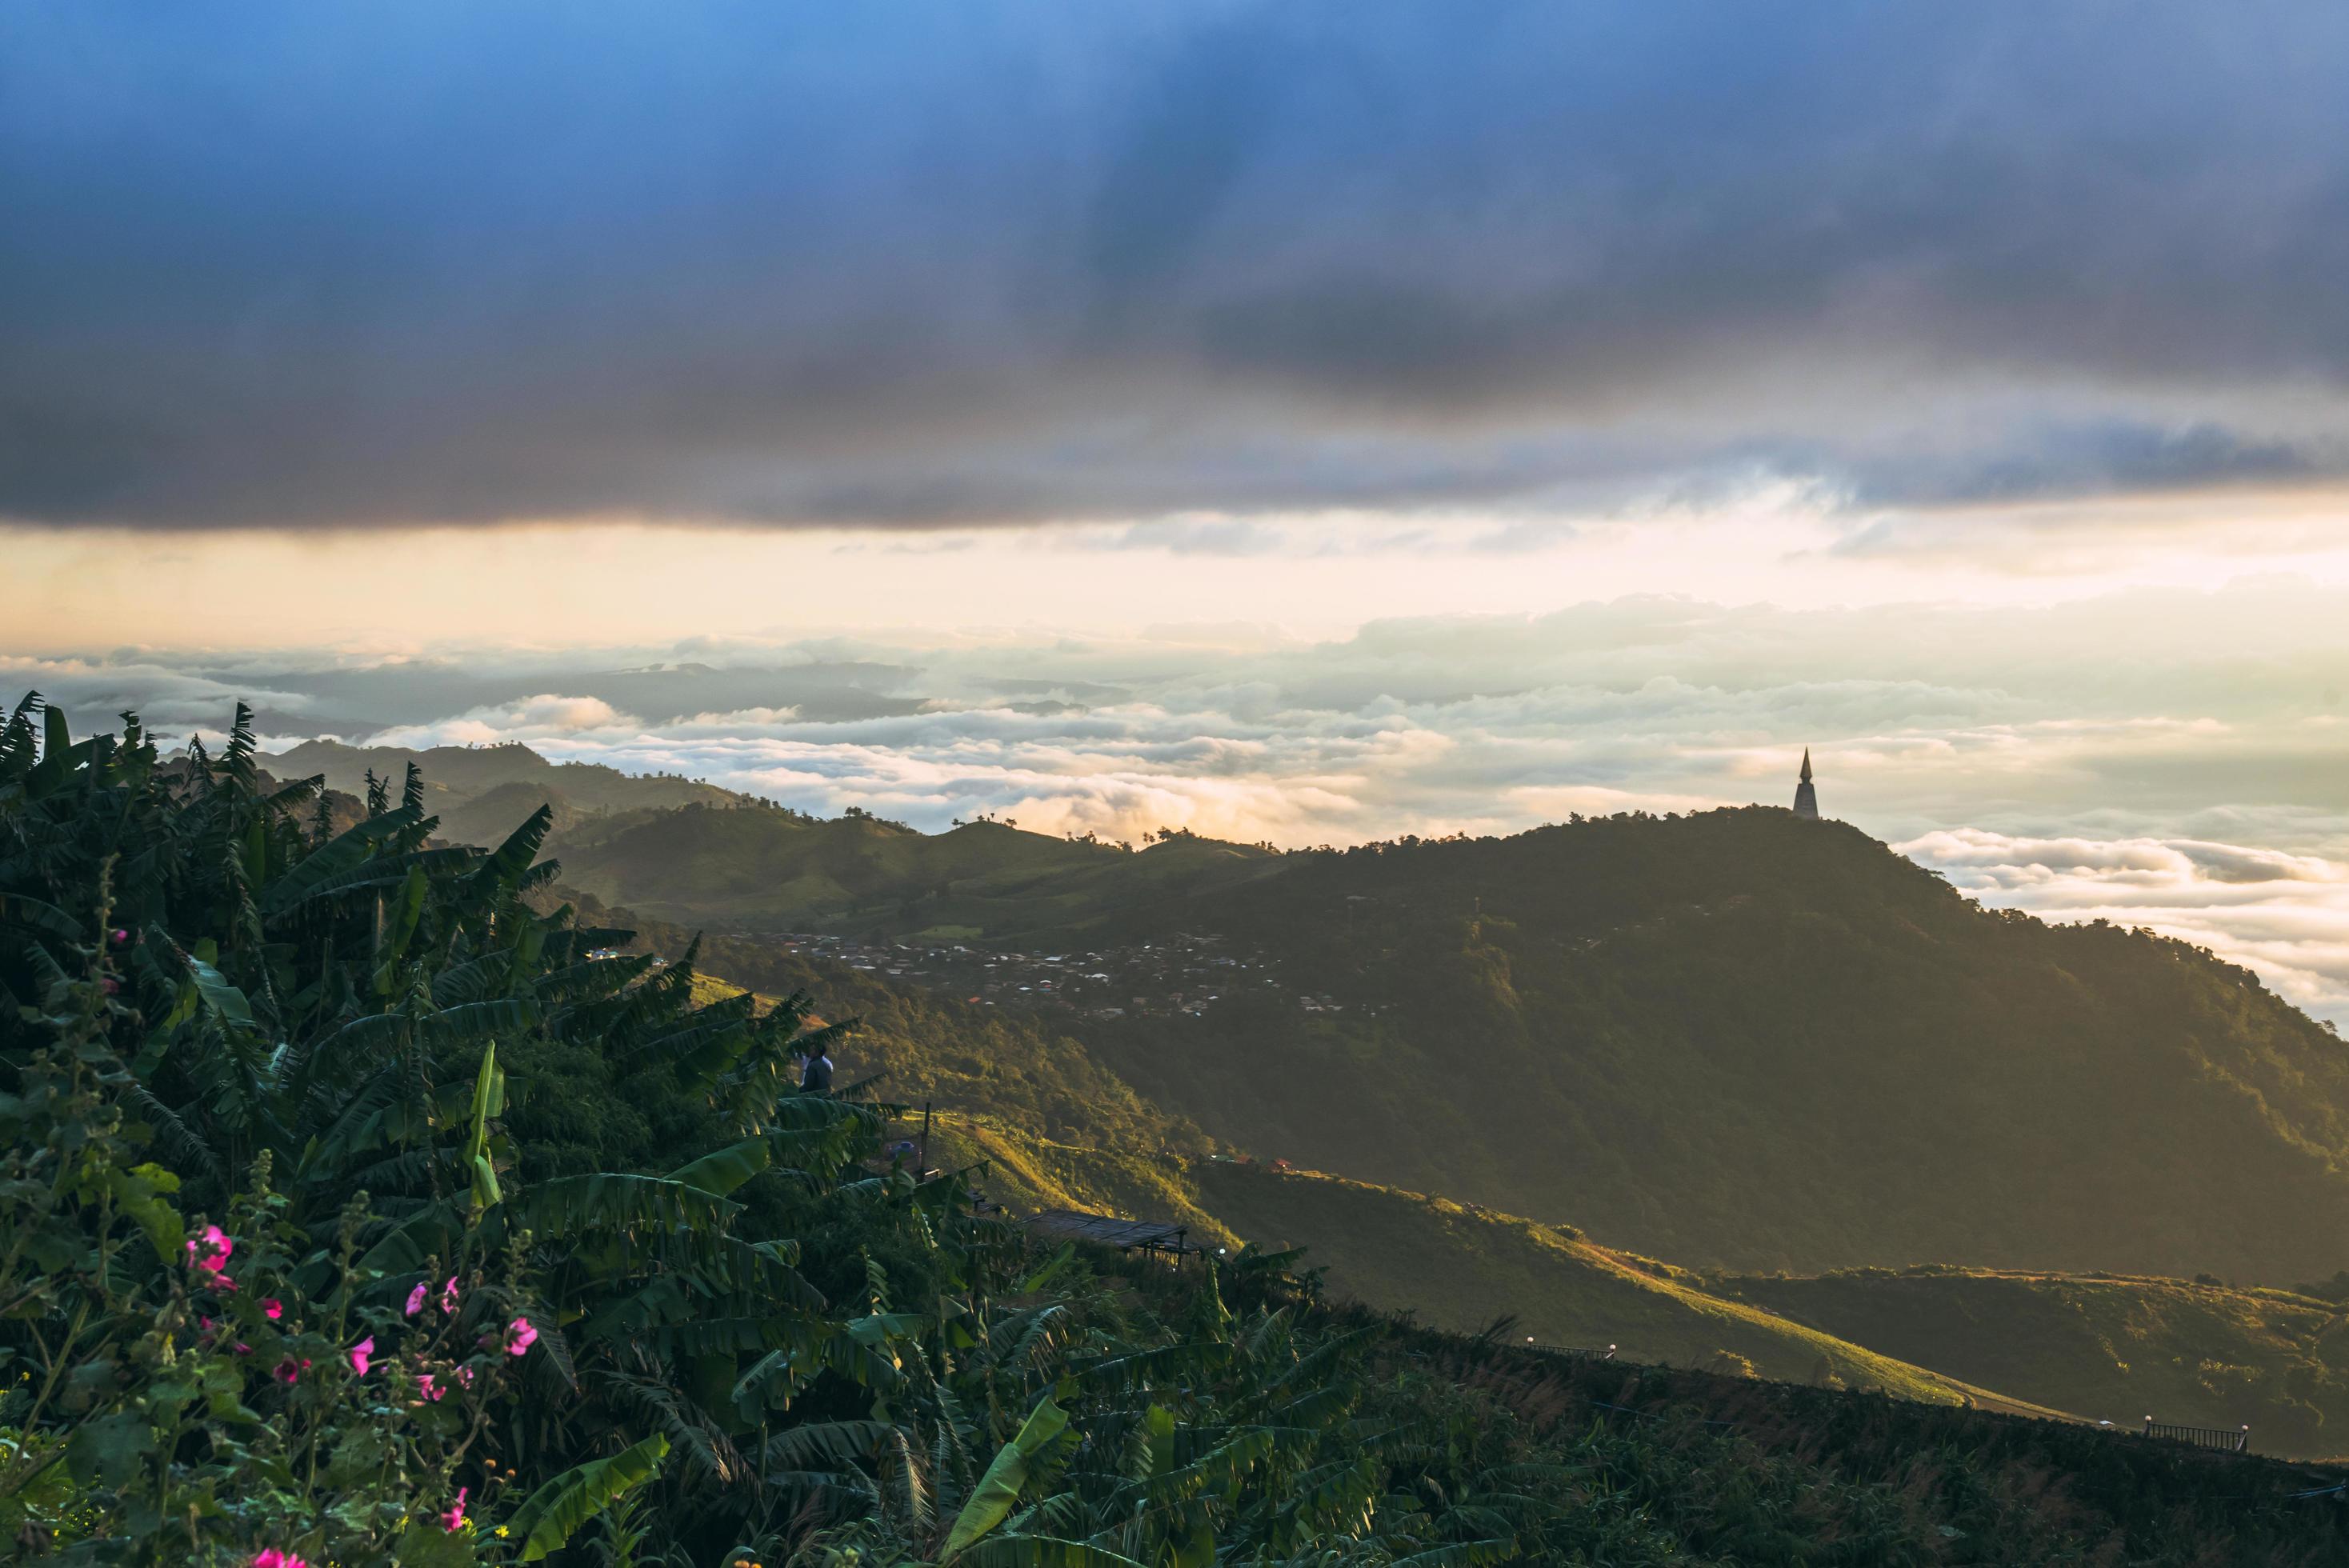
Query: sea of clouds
{"x": 2171, "y": 761}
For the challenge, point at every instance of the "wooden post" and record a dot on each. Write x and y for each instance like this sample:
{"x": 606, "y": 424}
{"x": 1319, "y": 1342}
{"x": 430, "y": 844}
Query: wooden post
{"x": 925, "y": 1170}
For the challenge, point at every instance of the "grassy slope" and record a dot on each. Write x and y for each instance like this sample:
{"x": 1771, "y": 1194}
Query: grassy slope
{"x": 2113, "y": 1347}
{"x": 1461, "y": 1268}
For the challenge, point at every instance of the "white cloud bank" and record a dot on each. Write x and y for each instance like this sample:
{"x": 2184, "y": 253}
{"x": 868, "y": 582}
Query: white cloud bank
{"x": 2284, "y": 915}
{"x": 2169, "y": 759}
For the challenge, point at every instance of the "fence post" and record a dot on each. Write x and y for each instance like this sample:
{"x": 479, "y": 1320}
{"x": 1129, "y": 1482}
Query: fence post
{"x": 925, "y": 1170}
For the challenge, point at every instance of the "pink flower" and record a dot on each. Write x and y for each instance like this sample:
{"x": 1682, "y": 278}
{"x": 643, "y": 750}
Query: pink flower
{"x": 415, "y": 1299}
{"x": 243, "y": 1348}
{"x": 359, "y": 1353}
{"x": 270, "y": 1557}
{"x": 210, "y": 1254}
{"x": 285, "y": 1371}
{"x": 272, "y": 1308}
{"x": 520, "y": 1336}
{"x": 449, "y": 1295}
{"x": 455, "y": 1518}
{"x": 109, "y": 984}
{"x": 424, "y": 1386}
{"x": 207, "y": 1323}
{"x": 465, "y": 1376}
{"x": 120, "y": 936}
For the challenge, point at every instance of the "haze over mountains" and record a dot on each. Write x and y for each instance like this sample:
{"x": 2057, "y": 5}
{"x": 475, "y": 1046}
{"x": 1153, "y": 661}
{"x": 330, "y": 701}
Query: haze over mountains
{"x": 2045, "y": 758}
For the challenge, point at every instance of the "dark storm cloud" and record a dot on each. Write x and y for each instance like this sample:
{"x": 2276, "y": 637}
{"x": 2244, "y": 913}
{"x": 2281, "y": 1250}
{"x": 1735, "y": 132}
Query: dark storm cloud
{"x": 923, "y": 264}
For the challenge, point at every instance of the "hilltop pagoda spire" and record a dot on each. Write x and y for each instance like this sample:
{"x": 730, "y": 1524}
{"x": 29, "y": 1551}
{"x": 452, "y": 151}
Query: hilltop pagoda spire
{"x": 1806, "y": 800}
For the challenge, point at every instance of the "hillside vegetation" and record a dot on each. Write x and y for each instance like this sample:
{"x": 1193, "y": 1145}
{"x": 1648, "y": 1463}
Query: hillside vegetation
{"x": 1742, "y": 1039}
{"x": 1737, "y": 1039}
{"x": 1461, "y": 1268}
{"x": 2194, "y": 1353}
{"x": 2200, "y": 1353}
{"x": 294, "y": 1272}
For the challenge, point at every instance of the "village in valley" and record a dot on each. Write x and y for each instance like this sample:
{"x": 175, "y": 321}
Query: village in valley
{"x": 1185, "y": 974}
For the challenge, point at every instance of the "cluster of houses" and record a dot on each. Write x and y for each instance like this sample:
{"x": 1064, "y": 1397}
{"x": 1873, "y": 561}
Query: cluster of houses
{"x": 1184, "y": 975}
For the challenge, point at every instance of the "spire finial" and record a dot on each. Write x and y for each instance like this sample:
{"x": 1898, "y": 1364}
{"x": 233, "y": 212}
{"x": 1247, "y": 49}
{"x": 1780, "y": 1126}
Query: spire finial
{"x": 1806, "y": 800}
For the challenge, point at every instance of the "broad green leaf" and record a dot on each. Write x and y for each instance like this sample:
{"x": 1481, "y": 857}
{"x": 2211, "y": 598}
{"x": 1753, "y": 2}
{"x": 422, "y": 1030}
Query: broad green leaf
{"x": 560, "y": 1507}
{"x": 109, "y": 1450}
{"x": 992, "y": 1499}
{"x": 225, "y": 999}
{"x": 33, "y": 914}
{"x": 140, "y": 1192}
{"x": 722, "y": 1170}
{"x": 335, "y": 860}
{"x": 489, "y": 1100}
{"x": 400, "y": 927}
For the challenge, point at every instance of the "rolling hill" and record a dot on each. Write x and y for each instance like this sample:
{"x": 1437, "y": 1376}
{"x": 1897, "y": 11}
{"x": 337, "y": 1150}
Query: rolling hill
{"x": 1738, "y": 1040}
{"x": 1744, "y": 1039}
{"x": 1057, "y": 1128}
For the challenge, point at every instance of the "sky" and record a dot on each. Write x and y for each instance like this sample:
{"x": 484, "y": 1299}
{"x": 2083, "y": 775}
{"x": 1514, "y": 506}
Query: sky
{"x": 1302, "y": 421}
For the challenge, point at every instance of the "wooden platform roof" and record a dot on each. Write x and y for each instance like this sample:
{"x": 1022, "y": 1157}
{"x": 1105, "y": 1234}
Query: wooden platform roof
{"x": 1108, "y": 1230}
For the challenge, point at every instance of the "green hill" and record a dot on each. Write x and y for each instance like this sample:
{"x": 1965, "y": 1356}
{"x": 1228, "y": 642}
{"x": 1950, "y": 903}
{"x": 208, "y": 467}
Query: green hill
{"x": 2119, "y": 1349}
{"x": 1742, "y": 1039}
{"x": 1055, "y": 1131}
{"x": 1738, "y": 1038}
{"x": 1058, "y": 1130}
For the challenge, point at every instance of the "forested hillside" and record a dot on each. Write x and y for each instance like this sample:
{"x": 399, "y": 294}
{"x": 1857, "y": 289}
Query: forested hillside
{"x": 1744, "y": 1039}
{"x": 1734, "y": 1039}
{"x": 359, "y": 1212}
{"x": 1057, "y": 1130}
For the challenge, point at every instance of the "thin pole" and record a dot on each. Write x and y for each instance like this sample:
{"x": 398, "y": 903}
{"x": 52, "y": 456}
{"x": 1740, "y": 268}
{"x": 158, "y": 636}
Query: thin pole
{"x": 925, "y": 1170}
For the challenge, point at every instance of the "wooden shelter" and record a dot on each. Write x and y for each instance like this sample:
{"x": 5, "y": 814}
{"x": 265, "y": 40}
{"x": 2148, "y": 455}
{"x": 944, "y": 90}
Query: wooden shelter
{"x": 1158, "y": 1236}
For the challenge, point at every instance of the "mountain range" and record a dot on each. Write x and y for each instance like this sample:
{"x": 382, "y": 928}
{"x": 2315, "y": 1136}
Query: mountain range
{"x": 1742, "y": 1041}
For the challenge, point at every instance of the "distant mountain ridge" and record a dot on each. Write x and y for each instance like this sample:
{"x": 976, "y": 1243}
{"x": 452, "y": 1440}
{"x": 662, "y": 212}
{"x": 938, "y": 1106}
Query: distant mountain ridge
{"x": 501, "y": 778}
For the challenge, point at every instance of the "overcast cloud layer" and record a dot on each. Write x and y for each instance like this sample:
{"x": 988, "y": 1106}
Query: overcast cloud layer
{"x": 2059, "y": 760}
{"x": 308, "y": 265}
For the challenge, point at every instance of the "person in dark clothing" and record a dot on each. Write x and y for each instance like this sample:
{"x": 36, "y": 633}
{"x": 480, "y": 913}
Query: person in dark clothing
{"x": 815, "y": 1076}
